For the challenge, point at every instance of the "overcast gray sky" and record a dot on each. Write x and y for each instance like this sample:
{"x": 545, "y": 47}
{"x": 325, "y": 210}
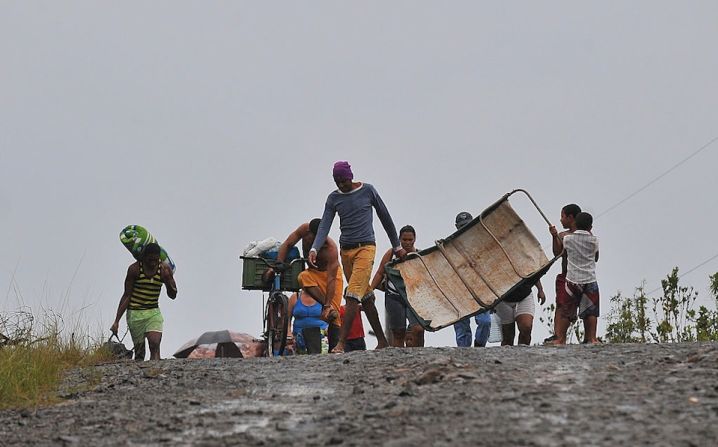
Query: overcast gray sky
{"x": 214, "y": 124}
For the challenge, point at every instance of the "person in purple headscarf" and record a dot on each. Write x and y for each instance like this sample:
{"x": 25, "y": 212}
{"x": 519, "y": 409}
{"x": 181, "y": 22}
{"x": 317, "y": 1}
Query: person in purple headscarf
{"x": 353, "y": 201}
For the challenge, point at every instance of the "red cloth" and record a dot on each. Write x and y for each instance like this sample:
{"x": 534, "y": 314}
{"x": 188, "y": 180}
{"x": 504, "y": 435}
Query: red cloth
{"x": 571, "y": 299}
{"x": 357, "y": 329}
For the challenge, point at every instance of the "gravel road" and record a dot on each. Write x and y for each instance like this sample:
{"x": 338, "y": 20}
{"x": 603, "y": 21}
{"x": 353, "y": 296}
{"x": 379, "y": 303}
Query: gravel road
{"x": 528, "y": 396}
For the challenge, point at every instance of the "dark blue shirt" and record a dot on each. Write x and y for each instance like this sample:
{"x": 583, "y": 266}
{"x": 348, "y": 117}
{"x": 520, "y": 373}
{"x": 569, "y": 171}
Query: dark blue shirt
{"x": 355, "y": 217}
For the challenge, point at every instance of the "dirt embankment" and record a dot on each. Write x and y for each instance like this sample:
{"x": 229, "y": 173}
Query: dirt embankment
{"x": 578, "y": 395}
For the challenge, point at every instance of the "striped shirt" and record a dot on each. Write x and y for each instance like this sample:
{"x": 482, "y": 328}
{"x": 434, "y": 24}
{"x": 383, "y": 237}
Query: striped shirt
{"x": 146, "y": 291}
{"x": 581, "y": 248}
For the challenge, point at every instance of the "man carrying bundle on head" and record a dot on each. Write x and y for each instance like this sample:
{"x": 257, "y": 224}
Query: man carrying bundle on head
{"x": 143, "y": 285}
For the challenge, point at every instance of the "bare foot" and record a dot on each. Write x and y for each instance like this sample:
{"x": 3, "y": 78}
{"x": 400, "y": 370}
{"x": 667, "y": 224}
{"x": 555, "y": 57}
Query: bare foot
{"x": 382, "y": 345}
{"x": 556, "y": 342}
{"x": 338, "y": 349}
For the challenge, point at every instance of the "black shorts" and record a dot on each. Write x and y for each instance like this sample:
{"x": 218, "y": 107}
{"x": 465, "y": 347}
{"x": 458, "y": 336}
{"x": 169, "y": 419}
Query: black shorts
{"x": 355, "y": 344}
{"x": 397, "y": 312}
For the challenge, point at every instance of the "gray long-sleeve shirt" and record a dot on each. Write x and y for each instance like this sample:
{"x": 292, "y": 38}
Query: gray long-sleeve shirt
{"x": 355, "y": 217}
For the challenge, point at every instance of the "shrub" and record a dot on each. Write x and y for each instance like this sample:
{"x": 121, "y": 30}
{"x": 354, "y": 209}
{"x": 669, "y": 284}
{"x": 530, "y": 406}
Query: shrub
{"x": 34, "y": 354}
{"x": 547, "y": 317}
{"x": 674, "y": 316}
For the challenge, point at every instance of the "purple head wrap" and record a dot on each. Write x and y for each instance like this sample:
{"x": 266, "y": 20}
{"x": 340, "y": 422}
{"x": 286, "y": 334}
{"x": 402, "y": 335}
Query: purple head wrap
{"x": 343, "y": 171}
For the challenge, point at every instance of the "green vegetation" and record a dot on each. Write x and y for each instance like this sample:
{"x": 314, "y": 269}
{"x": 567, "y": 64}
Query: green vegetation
{"x": 671, "y": 317}
{"x": 34, "y": 354}
{"x": 575, "y": 330}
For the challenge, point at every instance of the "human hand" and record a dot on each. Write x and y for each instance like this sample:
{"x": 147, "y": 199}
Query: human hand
{"x": 268, "y": 275}
{"x": 541, "y": 297}
{"x": 114, "y": 327}
{"x": 382, "y": 285}
{"x": 553, "y": 231}
{"x": 312, "y": 258}
{"x": 400, "y": 253}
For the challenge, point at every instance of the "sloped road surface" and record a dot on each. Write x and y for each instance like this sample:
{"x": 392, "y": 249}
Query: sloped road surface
{"x": 658, "y": 395}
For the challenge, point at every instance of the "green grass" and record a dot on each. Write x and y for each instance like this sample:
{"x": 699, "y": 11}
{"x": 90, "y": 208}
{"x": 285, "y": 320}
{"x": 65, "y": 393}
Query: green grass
{"x": 32, "y": 361}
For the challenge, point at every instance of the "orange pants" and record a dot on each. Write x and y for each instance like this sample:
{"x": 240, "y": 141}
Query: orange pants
{"x": 358, "y": 264}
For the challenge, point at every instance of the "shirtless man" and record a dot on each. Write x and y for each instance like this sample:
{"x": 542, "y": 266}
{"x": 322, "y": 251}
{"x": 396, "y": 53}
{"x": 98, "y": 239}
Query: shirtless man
{"x": 320, "y": 281}
{"x": 568, "y": 222}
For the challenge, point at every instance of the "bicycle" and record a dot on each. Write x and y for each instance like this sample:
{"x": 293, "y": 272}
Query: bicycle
{"x": 276, "y": 316}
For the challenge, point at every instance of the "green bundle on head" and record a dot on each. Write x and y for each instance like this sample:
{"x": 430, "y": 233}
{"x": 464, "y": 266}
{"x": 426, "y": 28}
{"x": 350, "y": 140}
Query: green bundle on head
{"x": 135, "y": 238}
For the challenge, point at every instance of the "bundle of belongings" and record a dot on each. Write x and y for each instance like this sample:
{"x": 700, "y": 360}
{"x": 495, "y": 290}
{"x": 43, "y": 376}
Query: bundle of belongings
{"x": 135, "y": 238}
{"x": 257, "y": 257}
{"x": 268, "y": 249}
{"x": 117, "y": 349}
{"x": 258, "y": 248}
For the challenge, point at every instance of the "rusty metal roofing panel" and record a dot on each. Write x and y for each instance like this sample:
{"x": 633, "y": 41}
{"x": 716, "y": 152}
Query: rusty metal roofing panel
{"x": 471, "y": 270}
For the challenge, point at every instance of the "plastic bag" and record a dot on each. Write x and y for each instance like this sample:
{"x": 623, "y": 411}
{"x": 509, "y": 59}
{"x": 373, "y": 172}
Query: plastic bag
{"x": 117, "y": 348}
{"x": 495, "y": 335}
{"x": 256, "y": 248}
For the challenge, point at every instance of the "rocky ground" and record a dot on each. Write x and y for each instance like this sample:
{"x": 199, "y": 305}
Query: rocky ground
{"x": 577, "y": 395}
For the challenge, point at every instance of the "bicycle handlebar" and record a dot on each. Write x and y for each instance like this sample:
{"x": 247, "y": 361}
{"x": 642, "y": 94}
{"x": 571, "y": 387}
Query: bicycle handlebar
{"x": 272, "y": 263}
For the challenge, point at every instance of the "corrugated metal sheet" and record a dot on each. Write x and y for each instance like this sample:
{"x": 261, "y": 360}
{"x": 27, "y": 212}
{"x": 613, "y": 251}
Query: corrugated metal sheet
{"x": 473, "y": 269}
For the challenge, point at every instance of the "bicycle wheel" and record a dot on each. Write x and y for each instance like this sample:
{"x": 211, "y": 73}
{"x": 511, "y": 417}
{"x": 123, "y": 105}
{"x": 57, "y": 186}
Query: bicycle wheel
{"x": 277, "y": 323}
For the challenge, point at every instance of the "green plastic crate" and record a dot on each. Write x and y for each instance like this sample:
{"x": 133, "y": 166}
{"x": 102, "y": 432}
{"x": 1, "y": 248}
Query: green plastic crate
{"x": 254, "y": 268}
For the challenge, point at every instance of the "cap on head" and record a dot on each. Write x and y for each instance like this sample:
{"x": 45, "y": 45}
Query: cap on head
{"x": 342, "y": 171}
{"x": 463, "y": 218}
